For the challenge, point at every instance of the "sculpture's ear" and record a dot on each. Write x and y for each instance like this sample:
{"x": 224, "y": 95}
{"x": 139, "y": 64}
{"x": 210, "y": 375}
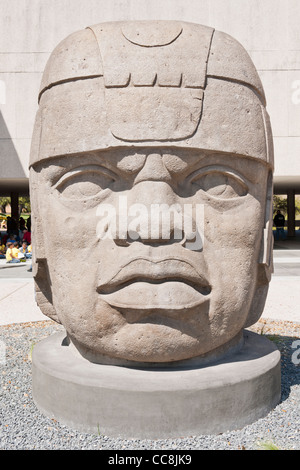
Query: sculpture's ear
{"x": 265, "y": 264}
{"x": 43, "y": 289}
{"x": 40, "y": 270}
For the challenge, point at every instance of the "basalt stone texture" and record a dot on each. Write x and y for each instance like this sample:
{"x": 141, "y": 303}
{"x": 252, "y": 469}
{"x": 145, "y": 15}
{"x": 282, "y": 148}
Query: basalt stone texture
{"x": 151, "y": 189}
{"x": 162, "y": 124}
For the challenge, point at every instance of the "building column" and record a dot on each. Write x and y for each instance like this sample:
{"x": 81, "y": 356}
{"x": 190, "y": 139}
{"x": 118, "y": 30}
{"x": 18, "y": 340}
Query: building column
{"x": 14, "y": 204}
{"x": 291, "y": 212}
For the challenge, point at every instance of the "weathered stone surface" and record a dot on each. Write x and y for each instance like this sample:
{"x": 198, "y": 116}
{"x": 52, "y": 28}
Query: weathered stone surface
{"x": 152, "y": 152}
{"x": 165, "y": 403}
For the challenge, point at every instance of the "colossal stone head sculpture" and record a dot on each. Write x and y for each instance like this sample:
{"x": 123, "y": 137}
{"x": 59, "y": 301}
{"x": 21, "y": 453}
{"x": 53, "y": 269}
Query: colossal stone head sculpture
{"x": 136, "y": 118}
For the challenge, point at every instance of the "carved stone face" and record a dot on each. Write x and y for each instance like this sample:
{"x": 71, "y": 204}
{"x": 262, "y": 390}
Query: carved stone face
{"x": 168, "y": 285}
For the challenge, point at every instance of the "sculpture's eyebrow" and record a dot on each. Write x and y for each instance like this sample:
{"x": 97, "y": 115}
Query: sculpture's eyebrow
{"x": 113, "y": 159}
{"x": 57, "y": 166}
{"x": 244, "y": 166}
{"x": 217, "y": 168}
{"x": 84, "y": 168}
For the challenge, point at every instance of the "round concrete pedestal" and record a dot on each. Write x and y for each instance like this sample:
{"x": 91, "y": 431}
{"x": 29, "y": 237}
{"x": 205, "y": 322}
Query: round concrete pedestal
{"x": 139, "y": 403}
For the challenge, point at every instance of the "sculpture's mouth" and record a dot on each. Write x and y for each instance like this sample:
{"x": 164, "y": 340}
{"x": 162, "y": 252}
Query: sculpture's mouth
{"x": 168, "y": 284}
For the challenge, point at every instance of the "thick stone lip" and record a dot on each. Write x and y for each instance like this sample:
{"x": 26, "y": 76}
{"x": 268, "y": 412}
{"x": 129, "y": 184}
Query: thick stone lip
{"x": 173, "y": 295}
{"x": 148, "y": 285}
{"x": 153, "y": 270}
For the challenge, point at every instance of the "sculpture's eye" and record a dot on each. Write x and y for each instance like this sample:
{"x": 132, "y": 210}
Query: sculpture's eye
{"x": 85, "y": 182}
{"x": 222, "y": 185}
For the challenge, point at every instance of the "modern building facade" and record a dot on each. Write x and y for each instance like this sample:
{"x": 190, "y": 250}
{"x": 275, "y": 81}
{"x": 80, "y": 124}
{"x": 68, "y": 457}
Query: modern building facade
{"x": 30, "y": 29}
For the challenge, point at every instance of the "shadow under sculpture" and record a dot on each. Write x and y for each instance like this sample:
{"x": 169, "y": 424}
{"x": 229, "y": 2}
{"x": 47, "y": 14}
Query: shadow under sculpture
{"x": 151, "y": 188}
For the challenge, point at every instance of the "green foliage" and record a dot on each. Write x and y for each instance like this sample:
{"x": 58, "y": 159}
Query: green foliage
{"x": 24, "y": 203}
{"x": 280, "y": 203}
{"x": 267, "y": 445}
{"x": 4, "y": 201}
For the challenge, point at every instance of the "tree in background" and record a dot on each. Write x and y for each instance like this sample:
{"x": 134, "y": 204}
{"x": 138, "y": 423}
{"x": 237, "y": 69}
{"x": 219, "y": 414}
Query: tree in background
{"x": 4, "y": 201}
{"x": 280, "y": 203}
{"x": 24, "y": 203}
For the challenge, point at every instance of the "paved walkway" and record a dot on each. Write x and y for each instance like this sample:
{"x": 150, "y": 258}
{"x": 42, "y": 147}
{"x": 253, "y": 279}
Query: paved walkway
{"x": 17, "y": 303}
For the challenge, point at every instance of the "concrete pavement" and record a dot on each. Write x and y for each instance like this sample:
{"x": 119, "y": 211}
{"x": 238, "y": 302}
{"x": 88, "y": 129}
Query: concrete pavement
{"x": 17, "y": 302}
{"x": 283, "y": 301}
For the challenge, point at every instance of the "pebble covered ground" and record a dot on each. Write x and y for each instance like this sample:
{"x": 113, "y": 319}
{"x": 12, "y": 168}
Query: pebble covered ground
{"x": 23, "y": 427}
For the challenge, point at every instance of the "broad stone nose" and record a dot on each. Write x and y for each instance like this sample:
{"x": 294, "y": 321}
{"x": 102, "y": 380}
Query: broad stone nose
{"x": 153, "y": 170}
{"x": 154, "y": 213}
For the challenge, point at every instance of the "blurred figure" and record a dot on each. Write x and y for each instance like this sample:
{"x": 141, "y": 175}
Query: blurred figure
{"x": 279, "y": 222}
{"x": 12, "y": 253}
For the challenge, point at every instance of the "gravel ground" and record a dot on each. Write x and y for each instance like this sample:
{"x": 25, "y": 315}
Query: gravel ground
{"x": 23, "y": 427}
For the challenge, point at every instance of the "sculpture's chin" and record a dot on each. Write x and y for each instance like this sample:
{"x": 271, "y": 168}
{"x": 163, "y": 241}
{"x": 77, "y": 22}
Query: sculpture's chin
{"x": 164, "y": 349}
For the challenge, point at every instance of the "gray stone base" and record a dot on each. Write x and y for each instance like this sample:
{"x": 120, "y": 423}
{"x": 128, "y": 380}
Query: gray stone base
{"x": 139, "y": 403}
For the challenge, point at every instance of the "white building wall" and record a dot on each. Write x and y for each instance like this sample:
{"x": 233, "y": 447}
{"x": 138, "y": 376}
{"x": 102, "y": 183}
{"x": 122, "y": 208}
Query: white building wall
{"x": 30, "y": 29}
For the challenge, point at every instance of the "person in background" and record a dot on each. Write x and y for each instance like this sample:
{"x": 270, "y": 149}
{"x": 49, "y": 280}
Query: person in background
{"x": 30, "y": 256}
{"x": 279, "y": 222}
{"x": 26, "y": 236}
{"x": 24, "y": 249}
{"x": 22, "y": 224}
{"x": 2, "y": 251}
{"x": 11, "y": 238}
{"x": 28, "y": 224}
{"x": 4, "y": 238}
{"x": 12, "y": 253}
{"x": 22, "y": 227}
